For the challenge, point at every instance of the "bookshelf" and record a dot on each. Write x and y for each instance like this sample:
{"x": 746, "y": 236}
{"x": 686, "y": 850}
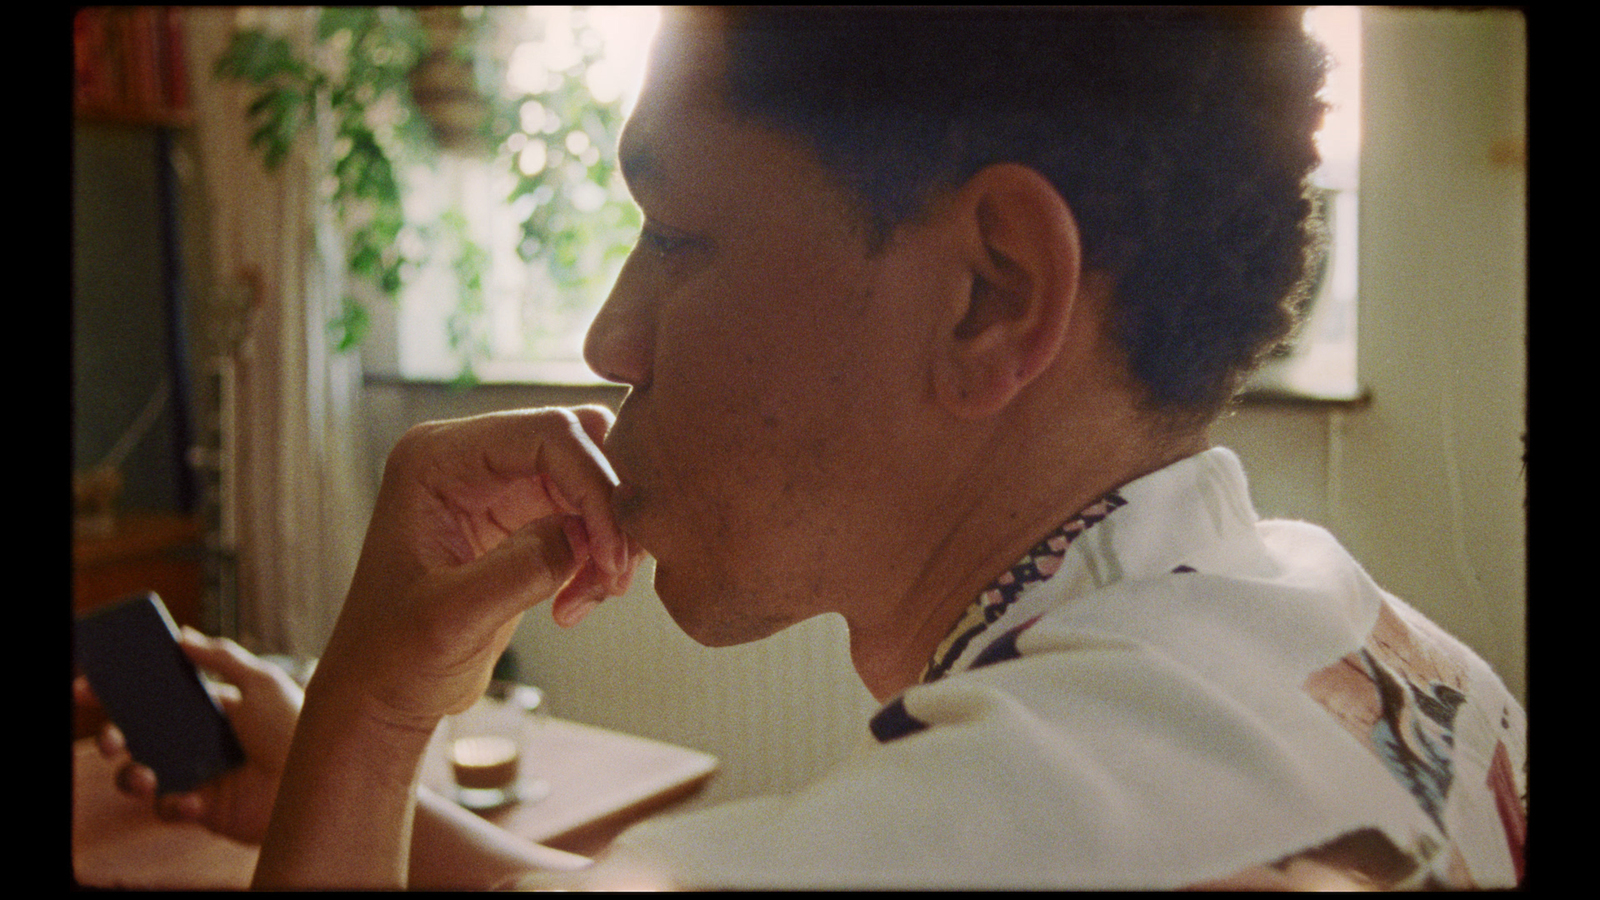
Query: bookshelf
{"x": 128, "y": 66}
{"x": 131, "y": 116}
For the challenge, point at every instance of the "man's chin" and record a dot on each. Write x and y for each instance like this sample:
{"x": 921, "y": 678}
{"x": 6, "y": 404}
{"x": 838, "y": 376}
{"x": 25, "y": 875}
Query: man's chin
{"x": 710, "y": 614}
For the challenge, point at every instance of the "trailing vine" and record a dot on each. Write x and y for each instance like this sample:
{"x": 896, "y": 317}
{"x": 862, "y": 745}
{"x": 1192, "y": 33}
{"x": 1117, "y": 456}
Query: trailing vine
{"x": 556, "y": 139}
{"x": 360, "y": 79}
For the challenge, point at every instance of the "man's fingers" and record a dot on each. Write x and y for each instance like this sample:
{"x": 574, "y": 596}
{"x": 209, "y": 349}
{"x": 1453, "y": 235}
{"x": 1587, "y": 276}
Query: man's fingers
{"x": 180, "y": 807}
{"x": 136, "y": 780}
{"x": 223, "y": 657}
{"x": 524, "y": 570}
{"x": 577, "y": 469}
{"x": 596, "y": 422}
{"x": 82, "y": 694}
{"x": 110, "y": 741}
{"x": 227, "y": 696}
{"x": 220, "y": 655}
{"x": 579, "y": 596}
{"x": 558, "y": 448}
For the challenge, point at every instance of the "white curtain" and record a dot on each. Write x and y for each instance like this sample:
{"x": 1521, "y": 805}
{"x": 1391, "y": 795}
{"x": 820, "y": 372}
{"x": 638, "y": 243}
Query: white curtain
{"x": 297, "y": 501}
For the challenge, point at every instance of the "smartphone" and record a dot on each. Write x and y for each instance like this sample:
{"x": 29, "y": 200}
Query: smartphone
{"x": 151, "y": 690}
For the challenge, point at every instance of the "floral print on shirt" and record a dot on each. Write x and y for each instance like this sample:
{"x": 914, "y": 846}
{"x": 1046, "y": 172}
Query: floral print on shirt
{"x": 1041, "y": 562}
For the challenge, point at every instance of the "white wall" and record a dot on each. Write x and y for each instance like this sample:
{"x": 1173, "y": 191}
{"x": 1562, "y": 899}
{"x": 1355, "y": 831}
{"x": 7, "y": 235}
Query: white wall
{"x": 1424, "y": 484}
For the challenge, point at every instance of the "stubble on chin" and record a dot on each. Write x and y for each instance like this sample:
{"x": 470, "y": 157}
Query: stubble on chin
{"x": 713, "y": 612}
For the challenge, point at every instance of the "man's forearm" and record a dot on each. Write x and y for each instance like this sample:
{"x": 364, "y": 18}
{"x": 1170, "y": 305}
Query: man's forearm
{"x": 476, "y": 520}
{"x": 454, "y": 848}
{"x": 344, "y": 812}
{"x": 350, "y": 813}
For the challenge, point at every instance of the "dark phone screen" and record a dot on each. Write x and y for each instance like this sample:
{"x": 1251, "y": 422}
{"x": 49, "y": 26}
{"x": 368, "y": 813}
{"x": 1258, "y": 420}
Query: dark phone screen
{"x": 150, "y": 689}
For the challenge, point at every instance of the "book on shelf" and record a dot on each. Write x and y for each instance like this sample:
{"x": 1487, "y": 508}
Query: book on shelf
{"x": 128, "y": 63}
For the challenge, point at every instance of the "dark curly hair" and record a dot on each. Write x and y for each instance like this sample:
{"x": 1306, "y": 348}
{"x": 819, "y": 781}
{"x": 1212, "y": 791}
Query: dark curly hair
{"x": 1181, "y": 138}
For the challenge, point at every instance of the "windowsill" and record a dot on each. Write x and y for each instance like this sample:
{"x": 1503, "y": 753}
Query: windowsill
{"x": 1262, "y": 396}
{"x": 560, "y": 373}
{"x": 550, "y": 382}
{"x": 1270, "y": 387}
{"x": 1318, "y": 374}
{"x": 1253, "y": 397}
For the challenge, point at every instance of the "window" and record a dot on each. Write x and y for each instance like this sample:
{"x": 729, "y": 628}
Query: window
{"x": 524, "y": 243}
{"x": 1322, "y": 363}
{"x": 517, "y": 313}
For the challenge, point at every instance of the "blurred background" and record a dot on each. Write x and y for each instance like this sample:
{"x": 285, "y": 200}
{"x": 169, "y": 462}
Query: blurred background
{"x": 297, "y": 232}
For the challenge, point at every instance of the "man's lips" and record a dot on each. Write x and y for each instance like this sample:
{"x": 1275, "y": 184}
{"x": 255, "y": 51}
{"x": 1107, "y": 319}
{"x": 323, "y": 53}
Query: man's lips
{"x": 624, "y": 495}
{"x": 628, "y": 493}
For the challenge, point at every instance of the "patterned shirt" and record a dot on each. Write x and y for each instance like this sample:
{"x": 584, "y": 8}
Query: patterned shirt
{"x": 1165, "y": 692}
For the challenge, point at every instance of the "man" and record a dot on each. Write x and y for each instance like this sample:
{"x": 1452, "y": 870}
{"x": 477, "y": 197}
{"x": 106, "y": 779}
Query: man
{"x": 929, "y": 316}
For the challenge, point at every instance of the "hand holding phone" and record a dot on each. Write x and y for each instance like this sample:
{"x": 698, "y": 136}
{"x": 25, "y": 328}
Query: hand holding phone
{"x": 129, "y": 652}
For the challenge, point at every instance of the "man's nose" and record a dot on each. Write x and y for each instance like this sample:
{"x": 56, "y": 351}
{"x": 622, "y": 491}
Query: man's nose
{"x": 620, "y": 343}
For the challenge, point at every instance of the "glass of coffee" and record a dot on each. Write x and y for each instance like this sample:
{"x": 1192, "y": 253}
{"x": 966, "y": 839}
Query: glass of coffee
{"x": 486, "y": 747}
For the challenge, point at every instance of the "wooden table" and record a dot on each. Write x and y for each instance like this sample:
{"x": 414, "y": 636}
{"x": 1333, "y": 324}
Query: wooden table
{"x": 601, "y": 782}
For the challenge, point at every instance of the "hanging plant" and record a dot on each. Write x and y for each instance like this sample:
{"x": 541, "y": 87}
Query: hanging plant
{"x": 402, "y": 84}
{"x": 359, "y": 78}
{"x": 449, "y": 84}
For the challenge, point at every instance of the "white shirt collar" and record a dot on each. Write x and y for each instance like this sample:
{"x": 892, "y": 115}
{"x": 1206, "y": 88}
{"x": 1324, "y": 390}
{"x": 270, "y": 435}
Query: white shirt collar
{"x": 1178, "y": 516}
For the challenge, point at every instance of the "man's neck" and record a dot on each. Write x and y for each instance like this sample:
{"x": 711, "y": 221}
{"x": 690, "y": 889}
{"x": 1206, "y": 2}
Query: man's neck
{"x": 1003, "y": 512}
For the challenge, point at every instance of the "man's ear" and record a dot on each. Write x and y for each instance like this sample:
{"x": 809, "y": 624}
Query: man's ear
{"x": 1021, "y": 252}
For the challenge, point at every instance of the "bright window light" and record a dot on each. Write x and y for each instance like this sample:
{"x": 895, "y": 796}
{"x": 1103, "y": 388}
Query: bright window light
{"x": 1322, "y": 364}
{"x": 517, "y": 306}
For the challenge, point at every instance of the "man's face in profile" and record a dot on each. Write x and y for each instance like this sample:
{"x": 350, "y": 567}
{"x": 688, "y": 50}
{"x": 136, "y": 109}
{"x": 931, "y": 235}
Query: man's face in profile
{"x": 776, "y": 366}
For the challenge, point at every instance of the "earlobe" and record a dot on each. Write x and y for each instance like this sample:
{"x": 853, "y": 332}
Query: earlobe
{"x": 1023, "y": 262}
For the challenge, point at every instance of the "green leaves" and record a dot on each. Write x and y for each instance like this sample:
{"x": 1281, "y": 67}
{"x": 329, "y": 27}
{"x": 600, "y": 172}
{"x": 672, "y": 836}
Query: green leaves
{"x": 354, "y": 80}
{"x": 257, "y": 57}
{"x": 356, "y": 19}
{"x": 364, "y": 172}
{"x": 283, "y": 115}
{"x": 367, "y": 54}
{"x": 350, "y": 326}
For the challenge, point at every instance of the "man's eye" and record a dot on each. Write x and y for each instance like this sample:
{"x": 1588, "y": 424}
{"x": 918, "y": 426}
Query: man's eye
{"x": 662, "y": 243}
{"x": 659, "y": 244}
